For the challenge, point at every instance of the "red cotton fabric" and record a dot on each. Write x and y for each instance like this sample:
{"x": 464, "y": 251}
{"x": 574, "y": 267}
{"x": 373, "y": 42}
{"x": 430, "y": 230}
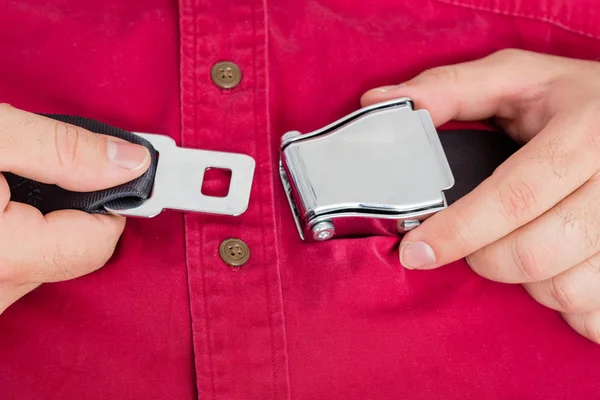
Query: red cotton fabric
{"x": 166, "y": 318}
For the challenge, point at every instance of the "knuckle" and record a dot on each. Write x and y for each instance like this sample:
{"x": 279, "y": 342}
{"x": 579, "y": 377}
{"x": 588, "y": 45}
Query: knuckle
{"x": 584, "y": 221}
{"x": 592, "y": 329}
{"x": 564, "y": 295}
{"x": 554, "y": 154}
{"x": 97, "y": 260}
{"x": 590, "y": 227}
{"x": 517, "y": 197}
{"x": 477, "y": 261}
{"x": 509, "y": 54}
{"x": 446, "y": 73}
{"x": 103, "y": 258}
{"x": 67, "y": 144}
{"x": 527, "y": 262}
{"x": 593, "y": 265}
{"x": 61, "y": 265}
{"x": 461, "y": 231}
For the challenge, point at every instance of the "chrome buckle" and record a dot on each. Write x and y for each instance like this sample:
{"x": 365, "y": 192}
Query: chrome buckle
{"x": 179, "y": 177}
{"x": 379, "y": 170}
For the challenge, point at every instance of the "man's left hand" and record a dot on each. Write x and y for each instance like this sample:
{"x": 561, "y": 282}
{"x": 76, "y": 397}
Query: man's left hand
{"x": 536, "y": 220}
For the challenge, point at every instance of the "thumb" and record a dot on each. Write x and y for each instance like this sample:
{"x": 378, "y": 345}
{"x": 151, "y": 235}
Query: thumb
{"x": 54, "y": 152}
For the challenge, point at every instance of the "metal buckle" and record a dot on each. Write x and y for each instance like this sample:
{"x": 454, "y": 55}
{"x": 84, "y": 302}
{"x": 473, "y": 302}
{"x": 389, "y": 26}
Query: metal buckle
{"x": 179, "y": 177}
{"x": 379, "y": 170}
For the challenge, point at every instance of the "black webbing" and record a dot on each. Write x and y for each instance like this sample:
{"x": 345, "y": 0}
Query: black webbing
{"x": 47, "y": 198}
{"x": 473, "y": 155}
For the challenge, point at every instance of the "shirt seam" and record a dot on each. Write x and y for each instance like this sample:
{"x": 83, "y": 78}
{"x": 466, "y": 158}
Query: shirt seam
{"x": 546, "y": 20}
{"x": 184, "y": 217}
{"x": 262, "y": 208}
{"x": 202, "y": 259}
{"x": 273, "y": 200}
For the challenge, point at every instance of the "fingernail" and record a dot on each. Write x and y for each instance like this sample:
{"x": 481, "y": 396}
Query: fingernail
{"x": 387, "y": 89}
{"x": 416, "y": 255}
{"x": 127, "y": 155}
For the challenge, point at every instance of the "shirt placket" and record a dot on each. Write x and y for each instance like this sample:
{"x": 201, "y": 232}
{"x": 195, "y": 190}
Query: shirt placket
{"x": 233, "y": 269}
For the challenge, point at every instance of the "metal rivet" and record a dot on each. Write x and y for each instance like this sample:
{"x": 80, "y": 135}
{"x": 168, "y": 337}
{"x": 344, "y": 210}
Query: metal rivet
{"x": 408, "y": 225}
{"x": 234, "y": 252}
{"x": 323, "y": 231}
{"x": 226, "y": 74}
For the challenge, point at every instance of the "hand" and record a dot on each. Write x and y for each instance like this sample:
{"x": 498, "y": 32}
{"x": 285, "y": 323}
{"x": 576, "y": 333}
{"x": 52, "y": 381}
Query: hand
{"x": 63, "y": 244}
{"x": 536, "y": 220}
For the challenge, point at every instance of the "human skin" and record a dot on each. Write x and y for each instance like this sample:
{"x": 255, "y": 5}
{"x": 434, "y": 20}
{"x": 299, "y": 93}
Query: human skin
{"x": 536, "y": 220}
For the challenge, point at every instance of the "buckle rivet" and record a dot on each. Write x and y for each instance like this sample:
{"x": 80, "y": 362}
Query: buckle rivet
{"x": 323, "y": 231}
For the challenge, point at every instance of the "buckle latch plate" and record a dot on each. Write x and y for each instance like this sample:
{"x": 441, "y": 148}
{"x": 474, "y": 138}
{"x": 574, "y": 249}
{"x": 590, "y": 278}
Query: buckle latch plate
{"x": 179, "y": 178}
{"x": 379, "y": 170}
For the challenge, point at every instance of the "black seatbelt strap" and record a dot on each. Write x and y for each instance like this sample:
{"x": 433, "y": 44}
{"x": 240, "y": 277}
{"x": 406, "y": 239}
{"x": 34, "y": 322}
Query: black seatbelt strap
{"x": 48, "y": 198}
{"x": 473, "y": 156}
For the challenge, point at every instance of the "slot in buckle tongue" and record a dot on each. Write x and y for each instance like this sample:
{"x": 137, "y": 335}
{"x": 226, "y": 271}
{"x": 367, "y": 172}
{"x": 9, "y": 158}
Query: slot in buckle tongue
{"x": 179, "y": 178}
{"x": 380, "y": 170}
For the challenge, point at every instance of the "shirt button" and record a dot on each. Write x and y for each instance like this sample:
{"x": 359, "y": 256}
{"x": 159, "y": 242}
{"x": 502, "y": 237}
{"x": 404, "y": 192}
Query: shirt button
{"x": 234, "y": 252}
{"x": 226, "y": 74}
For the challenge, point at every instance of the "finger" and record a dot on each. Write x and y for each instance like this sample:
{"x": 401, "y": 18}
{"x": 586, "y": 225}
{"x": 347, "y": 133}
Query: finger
{"x": 65, "y": 244}
{"x": 4, "y": 193}
{"x": 561, "y": 238}
{"x": 576, "y": 290}
{"x": 55, "y": 152}
{"x": 506, "y": 84}
{"x": 529, "y": 183}
{"x": 587, "y": 324}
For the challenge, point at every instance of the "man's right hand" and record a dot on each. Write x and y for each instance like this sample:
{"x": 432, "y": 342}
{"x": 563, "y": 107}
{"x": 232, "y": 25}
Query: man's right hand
{"x": 66, "y": 244}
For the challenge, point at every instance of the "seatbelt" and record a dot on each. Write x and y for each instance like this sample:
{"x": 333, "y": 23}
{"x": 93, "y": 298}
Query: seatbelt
{"x": 173, "y": 183}
{"x": 472, "y": 154}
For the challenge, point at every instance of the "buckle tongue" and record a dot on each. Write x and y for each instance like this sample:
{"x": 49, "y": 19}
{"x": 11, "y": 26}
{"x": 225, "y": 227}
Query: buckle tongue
{"x": 179, "y": 177}
{"x": 379, "y": 170}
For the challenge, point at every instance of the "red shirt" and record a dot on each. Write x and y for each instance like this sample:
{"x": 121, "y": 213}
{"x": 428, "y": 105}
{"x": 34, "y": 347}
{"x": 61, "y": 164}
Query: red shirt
{"x": 166, "y": 318}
